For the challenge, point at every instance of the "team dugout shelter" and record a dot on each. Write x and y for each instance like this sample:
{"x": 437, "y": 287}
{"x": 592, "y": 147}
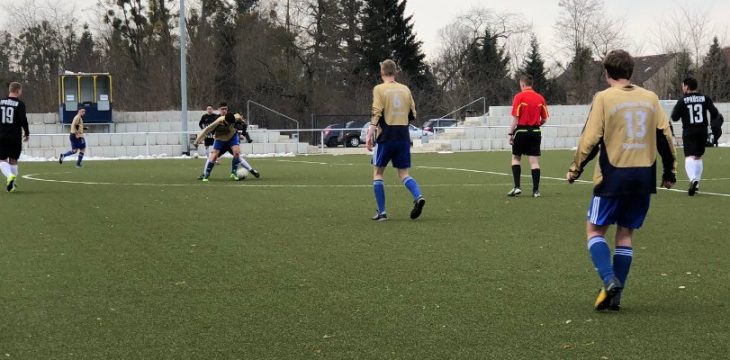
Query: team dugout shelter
{"x": 90, "y": 91}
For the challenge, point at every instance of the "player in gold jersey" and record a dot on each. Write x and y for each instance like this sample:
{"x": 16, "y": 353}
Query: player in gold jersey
{"x": 77, "y": 139}
{"x": 226, "y": 136}
{"x": 625, "y": 128}
{"x": 393, "y": 109}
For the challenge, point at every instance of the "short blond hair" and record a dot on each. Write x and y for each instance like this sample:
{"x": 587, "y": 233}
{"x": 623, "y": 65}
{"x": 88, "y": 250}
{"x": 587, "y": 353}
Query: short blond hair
{"x": 389, "y": 67}
{"x": 15, "y": 87}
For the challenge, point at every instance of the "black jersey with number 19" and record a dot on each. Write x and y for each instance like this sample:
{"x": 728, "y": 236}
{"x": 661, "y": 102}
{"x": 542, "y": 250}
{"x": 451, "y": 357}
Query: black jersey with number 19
{"x": 12, "y": 118}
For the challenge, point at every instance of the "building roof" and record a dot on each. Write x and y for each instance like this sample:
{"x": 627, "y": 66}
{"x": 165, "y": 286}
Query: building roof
{"x": 645, "y": 67}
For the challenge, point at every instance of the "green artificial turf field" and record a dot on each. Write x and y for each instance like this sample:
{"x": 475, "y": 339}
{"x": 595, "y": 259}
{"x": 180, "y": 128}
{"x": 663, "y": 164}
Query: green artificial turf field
{"x": 137, "y": 260}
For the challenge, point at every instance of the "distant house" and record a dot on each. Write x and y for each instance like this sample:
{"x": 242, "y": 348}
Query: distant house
{"x": 654, "y": 72}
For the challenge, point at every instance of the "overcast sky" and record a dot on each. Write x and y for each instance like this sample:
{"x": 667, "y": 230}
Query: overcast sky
{"x": 644, "y": 17}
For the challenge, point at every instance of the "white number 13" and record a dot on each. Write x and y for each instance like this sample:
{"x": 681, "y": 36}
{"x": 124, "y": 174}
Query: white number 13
{"x": 635, "y": 120}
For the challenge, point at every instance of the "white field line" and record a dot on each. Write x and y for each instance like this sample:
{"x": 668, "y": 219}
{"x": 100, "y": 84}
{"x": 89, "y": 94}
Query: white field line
{"x": 554, "y": 178}
{"x": 247, "y": 184}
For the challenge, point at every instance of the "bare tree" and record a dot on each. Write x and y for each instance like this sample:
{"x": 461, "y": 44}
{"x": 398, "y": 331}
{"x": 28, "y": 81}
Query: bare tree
{"x": 461, "y": 35}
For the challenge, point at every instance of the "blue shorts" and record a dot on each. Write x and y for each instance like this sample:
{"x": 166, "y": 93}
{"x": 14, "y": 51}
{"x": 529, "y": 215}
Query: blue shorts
{"x": 627, "y": 211}
{"x": 224, "y": 145}
{"x": 77, "y": 143}
{"x": 399, "y": 152}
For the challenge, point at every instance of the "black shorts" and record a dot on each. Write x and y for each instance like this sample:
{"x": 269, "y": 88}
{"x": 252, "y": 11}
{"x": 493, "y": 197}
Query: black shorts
{"x": 694, "y": 141}
{"x": 209, "y": 141}
{"x": 10, "y": 147}
{"x": 526, "y": 141}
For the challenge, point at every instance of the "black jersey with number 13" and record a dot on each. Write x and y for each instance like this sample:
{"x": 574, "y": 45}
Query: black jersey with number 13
{"x": 693, "y": 109}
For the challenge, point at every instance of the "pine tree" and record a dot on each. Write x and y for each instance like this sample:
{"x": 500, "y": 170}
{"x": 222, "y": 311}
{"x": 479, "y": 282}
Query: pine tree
{"x": 487, "y": 70}
{"x": 534, "y": 66}
{"x": 388, "y": 34}
{"x": 715, "y": 73}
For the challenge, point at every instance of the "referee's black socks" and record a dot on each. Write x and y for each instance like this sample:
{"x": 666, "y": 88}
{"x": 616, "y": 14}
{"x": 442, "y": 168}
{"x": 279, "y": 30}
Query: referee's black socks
{"x": 516, "y": 172}
{"x": 535, "y": 179}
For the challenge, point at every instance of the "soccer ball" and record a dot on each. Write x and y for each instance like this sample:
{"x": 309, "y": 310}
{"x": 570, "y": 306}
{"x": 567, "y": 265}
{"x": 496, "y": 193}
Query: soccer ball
{"x": 241, "y": 173}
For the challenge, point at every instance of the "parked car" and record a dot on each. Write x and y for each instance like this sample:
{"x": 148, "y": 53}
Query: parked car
{"x": 350, "y": 135}
{"x": 414, "y": 132}
{"x": 437, "y": 125}
{"x": 331, "y": 134}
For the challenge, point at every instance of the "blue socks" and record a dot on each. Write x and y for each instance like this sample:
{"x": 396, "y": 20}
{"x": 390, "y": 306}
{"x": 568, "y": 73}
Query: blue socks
{"x": 412, "y": 186}
{"x": 68, "y": 153}
{"x": 379, "y": 190}
{"x": 208, "y": 167}
{"x": 234, "y": 164}
{"x": 81, "y": 157}
{"x": 622, "y": 262}
{"x": 601, "y": 256}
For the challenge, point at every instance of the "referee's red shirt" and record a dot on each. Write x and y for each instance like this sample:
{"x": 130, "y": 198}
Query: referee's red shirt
{"x": 529, "y": 107}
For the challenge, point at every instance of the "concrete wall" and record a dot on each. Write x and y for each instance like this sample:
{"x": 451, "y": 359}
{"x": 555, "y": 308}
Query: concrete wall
{"x": 131, "y": 133}
{"x": 144, "y": 133}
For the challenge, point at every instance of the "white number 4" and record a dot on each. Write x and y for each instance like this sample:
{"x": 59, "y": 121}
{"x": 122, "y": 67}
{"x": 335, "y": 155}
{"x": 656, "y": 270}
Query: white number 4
{"x": 634, "y": 120}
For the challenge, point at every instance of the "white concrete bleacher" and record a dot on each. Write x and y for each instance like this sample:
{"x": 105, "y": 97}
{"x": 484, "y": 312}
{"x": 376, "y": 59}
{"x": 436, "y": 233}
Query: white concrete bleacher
{"x": 143, "y": 134}
{"x": 562, "y": 130}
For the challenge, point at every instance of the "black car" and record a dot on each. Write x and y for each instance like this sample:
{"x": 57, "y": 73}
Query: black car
{"x": 331, "y": 135}
{"x": 437, "y": 124}
{"x": 350, "y": 136}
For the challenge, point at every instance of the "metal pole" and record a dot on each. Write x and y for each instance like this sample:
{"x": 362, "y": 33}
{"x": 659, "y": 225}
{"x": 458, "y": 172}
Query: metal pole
{"x": 184, "y": 80}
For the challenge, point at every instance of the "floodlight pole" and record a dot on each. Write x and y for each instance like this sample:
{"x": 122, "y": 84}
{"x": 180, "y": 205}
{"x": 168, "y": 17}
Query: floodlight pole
{"x": 184, "y": 81}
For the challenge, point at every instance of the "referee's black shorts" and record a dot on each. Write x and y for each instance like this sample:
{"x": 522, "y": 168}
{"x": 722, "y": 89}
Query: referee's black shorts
{"x": 209, "y": 141}
{"x": 695, "y": 140}
{"x": 10, "y": 147}
{"x": 526, "y": 141}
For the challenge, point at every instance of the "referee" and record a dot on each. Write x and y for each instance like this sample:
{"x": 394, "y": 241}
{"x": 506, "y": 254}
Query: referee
{"x": 529, "y": 112}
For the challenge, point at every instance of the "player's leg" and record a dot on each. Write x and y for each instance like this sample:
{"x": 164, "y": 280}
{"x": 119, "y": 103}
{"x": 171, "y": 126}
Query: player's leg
{"x": 236, "y": 152}
{"x": 535, "y": 167}
{"x": 379, "y": 192}
{"x": 632, "y": 212}
{"x": 517, "y": 151}
{"x": 210, "y": 163}
{"x": 402, "y": 162}
{"x": 5, "y": 168}
{"x": 248, "y": 166}
{"x": 82, "y": 149}
{"x": 380, "y": 161}
{"x": 534, "y": 156}
{"x": 601, "y": 214}
{"x": 71, "y": 139}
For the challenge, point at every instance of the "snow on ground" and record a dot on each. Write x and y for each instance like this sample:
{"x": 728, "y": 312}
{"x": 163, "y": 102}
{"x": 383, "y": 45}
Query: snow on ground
{"x": 25, "y": 158}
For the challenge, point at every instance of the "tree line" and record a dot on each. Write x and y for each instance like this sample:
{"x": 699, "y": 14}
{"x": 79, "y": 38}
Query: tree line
{"x": 305, "y": 57}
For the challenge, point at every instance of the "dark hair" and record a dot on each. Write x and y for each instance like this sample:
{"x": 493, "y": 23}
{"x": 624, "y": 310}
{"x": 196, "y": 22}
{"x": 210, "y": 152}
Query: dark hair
{"x": 691, "y": 83}
{"x": 619, "y": 65}
{"x": 230, "y": 118}
{"x": 223, "y": 104}
{"x": 209, "y": 105}
{"x": 527, "y": 79}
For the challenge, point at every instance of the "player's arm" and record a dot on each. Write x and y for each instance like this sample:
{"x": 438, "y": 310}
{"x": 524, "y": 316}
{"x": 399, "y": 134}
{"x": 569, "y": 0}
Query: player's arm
{"x": 544, "y": 114}
{"x": 23, "y": 118}
{"x": 589, "y": 140}
{"x": 516, "y": 109}
{"x": 666, "y": 149}
{"x": 412, "y": 113}
{"x": 377, "y": 113}
{"x": 678, "y": 109}
{"x": 201, "y": 123}
{"x": 710, "y": 106}
{"x": 208, "y": 129}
